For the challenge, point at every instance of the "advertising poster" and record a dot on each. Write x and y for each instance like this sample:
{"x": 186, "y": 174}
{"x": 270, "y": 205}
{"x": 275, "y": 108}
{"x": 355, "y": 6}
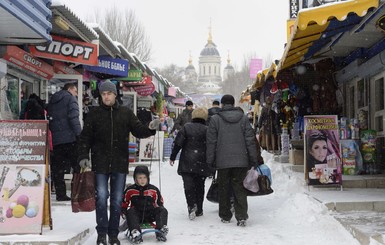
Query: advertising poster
{"x": 23, "y": 153}
{"x": 151, "y": 148}
{"x": 323, "y": 164}
{"x": 21, "y": 198}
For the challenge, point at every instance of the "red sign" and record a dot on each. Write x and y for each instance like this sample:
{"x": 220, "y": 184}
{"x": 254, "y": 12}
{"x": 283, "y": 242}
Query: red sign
{"x": 145, "y": 90}
{"x": 146, "y": 80}
{"x": 61, "y": 68}
{"x": 27, "y": 61}
{"x": 68, "y": 50}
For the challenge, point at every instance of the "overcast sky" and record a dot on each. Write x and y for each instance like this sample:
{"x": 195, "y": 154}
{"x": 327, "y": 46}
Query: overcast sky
{"x": 176, "y": 27}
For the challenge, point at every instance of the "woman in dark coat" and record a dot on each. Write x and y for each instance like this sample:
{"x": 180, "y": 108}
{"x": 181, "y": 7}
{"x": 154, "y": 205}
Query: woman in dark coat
{"x": 192, "y": 164}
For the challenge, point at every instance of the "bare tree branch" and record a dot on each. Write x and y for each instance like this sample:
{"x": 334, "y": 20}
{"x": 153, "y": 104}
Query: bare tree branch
{"x": 124, "y": 27}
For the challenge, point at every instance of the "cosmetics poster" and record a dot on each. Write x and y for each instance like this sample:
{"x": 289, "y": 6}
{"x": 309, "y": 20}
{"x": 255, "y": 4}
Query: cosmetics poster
{"x": 21, "y": 198}
{"x": 323, "y": 164}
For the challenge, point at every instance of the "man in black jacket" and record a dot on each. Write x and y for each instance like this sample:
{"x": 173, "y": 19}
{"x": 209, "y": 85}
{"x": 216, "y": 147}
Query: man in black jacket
{"x": 106, "y": 132}
{"x": 231, "y": 149}
{"x": 64, "y": 123}
{"x": 184, "y": 117}
{"x": 213, "y": 110}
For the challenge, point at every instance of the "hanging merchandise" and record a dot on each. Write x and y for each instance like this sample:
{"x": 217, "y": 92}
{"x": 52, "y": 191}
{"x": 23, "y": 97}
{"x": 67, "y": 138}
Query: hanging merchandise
{"x": 368, "y": 150}
{"x": 285, "y": 141}
{"x": 274, "y": 89}
{"x": 285, "y": 91}
{"x": 363, "y": 119}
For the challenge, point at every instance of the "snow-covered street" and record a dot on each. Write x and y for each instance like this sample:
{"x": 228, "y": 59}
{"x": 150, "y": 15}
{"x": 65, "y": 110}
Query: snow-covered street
{"x": 288, "y": 216}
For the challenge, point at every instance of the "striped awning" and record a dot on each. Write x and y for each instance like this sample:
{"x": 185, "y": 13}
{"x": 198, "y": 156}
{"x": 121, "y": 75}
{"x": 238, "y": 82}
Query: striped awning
{"x": 316, "y": 27}
{"x": 25, "y": 22}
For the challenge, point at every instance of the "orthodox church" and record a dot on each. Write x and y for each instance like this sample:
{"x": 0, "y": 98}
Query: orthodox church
{"x": 208, "y": 80}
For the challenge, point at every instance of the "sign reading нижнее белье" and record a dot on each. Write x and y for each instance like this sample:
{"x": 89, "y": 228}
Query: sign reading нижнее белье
{"x": 323, "y": 164}
{"x": 23, "y": 155}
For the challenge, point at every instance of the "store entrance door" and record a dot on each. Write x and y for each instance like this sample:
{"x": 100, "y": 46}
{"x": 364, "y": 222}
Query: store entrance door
{"x": 57, "y": 83}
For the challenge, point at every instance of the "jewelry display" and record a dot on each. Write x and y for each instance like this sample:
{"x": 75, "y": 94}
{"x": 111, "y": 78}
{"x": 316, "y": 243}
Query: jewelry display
{"x": 2, "y": 177}
{"x": 22, "y": 181}
{"x": 2, "y": 219}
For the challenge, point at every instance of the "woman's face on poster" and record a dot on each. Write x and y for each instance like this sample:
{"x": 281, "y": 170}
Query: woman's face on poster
{"x": 319, "y": 150}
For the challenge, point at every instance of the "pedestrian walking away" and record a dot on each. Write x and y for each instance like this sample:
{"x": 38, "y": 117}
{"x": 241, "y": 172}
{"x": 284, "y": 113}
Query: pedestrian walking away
{"x": 213, "y": 110}
{"x": 105, "y": 133}
{"x": 184, "y": 117}
{"x": 64, "y": 123}
{"x": 192, "y": 164}
{"x": 229, "y": 137}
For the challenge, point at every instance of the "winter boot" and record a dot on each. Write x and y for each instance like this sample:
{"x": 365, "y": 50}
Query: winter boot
{"x": 191, "y": 212}
{"x": 113, "y": 240}
{"x": 225, "y": 221}
{"x": 135, "y": 237}
{"x": 241, "y": 223}
{"x": 199, "y": 213}
{"x": 101, "y": 239}
{"x": 123, "y": 226}
{"x": 161, "y": 235}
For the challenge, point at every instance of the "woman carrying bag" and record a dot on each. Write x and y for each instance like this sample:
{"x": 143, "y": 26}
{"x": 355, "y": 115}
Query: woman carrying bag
{"x": 192, "y": 164}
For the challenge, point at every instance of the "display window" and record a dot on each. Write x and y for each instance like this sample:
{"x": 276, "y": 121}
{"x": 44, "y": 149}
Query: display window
{"x": 17, "y": 89}
{"x": 11, "y": 108}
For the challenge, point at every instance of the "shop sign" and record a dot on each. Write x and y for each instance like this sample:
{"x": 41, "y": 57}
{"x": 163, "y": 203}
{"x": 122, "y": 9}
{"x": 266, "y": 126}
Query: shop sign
{"x": 146, "y": 80}
{"x": 109, "y": 65}
{"x": 145, "y": 90}
{"x": 23, "y": 156}
{"x": 323, "y": 165}
{"x": 294, "y": 8}
{"x": 171, "y": 91}
{"x": 27, "y": 61}
{"x": 134, "y": 75}
{"x": 61, "y": 68}
{"x": 255, "y": 67}
{"x": 68, "y": 50}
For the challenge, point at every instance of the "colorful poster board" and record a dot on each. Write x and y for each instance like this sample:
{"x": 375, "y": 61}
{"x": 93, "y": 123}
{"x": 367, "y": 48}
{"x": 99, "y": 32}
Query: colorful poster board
{"x": 323, "y": 164}
{"x": 23, "y": 155}
{"x": 151, "y": 148}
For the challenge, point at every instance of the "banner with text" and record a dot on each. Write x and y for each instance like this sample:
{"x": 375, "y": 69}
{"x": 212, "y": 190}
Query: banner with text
{"x": 109, "y": 65}
{"x": 23, "y": 148}
{"x": 68, "y": 50}
{"x": 255, "y": 67}
{"x": 26, "y": 61}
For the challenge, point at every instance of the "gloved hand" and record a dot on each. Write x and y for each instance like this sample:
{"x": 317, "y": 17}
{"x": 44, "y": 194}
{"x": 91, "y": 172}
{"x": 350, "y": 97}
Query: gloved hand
{"x": 85, "y": 163}
{"x": 171, "y": 162}
{"x": 154, "y": 124}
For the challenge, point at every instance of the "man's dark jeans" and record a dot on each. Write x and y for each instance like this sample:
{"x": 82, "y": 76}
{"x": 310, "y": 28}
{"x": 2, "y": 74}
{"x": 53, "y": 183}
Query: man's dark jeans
{"x": 227, "y": 178}
{"x": 117, "y": 183}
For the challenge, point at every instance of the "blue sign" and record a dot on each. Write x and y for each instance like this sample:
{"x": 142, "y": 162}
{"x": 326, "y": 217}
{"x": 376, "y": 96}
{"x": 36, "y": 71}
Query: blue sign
{"x": 109, "y": 65}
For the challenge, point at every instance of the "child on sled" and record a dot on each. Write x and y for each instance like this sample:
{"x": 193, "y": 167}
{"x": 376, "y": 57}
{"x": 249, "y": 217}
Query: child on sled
{"x": 143, "y": 203}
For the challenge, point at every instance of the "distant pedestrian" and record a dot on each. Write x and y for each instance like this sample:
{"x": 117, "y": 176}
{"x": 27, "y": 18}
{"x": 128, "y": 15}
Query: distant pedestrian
{"x": 213, "y": 110}
{"x": 231, "y": 150}
{"x": 64, "y": 123}
{"x": 192, "y": 164}
{"x": 105, "y": 133}
{"x": 184, "y": 117}
{"x": 34, "y": 109}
